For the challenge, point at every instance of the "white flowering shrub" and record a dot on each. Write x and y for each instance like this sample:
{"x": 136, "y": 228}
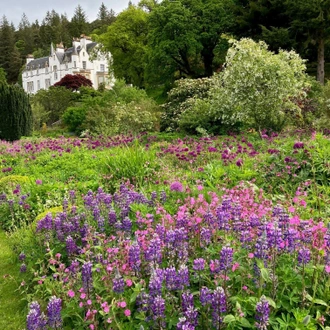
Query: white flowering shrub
{"x": 257, "y": 86}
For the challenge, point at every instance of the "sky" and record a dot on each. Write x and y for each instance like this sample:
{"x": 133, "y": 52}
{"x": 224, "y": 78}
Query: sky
{"x": 36, "y": 9}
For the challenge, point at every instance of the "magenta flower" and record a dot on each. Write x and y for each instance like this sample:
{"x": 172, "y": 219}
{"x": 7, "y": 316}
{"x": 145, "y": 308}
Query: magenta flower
{"x": 176, "y": 186}
{"x": 38, "y": 182}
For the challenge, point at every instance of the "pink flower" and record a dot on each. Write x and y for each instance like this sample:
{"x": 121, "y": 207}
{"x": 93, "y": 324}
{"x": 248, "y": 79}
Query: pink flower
{"x": 81, "y": 304}
{"x": 235, "y": 266}
{"x": 58, "y": 255}
{"x": 109, "y": 320}
{"x": 251, "y": 255}
{"x": 129, "y": 282}
{"x": 122, "y": 304}
{"x": 71, "y": 293}
{"x": 200, "y": 187}
{"x": 92, "y": 326}
{"x": 127, "y": 312}
{"x": 38, "y": 182}
{"x": 83, "y": 296}
{"x": 327, "y": 268}
{"x": 303, "y": 203}
{"x": 89, "y": 302}
{"x": 244, "y": 287}
{"x": 291, "y": 209}
{"x": 106, "y": 309}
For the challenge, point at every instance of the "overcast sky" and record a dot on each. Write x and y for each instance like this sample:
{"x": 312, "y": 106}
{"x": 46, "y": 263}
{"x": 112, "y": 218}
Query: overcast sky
{"x": 36, "y": 9}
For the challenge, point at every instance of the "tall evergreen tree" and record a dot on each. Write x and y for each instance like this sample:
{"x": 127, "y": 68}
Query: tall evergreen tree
{"x": 10, "y": 59}
{"x": 79, "y": 23}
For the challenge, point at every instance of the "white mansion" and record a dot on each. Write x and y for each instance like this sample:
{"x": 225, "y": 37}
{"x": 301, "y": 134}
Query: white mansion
{"x": 82, "y": 58}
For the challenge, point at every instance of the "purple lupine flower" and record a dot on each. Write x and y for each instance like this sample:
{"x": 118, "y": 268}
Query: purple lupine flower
{"x": 35, "y": 320}
{"x": 226, "y": 258}
{"x": 54, "y": 308}
{"x": 23, "y": 268}
{"x": 274, "y": 236}
{"x": 134, "y": 260}
{"x": 184, "y": 324}
{"x": 112, "y": 217}
{"x": 187, "y": 300}
{"x": 327, "y": 237}
{"x": 206, "y": 235}
{"x": 118, "y": 283}
{"x": 218, "y": 306}
{"x": 199, "y": 264}
{"x": 154, "y": 252}
{"x": 205, "y": 296}
{"x": 71, "y": 246}
{"x": 126, "y": 224}
{"x": 183, "y": 276}
{"x": 162, "y": 197}
{"x": 158, "y": 308}
{"x": 153, "y": 196}
{"x": 155, "y": 284}
{"x": 304, "y": 256}
{"x": 262, "y": 313}
{"x": 22, "y": 256}
{"x": 160, "y": 231}
{"x": 86, "y": 276}
{"x": 191, "y": 314}
{"x": 142, "y": 301}
{"x": 261, "y": 247}
{"x": 171, "y": 279}
{"x": 176, "y": 186}
{"x": 222, "y": 218}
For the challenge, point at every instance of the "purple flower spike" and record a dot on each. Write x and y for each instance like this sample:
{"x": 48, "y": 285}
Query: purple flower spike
{"x": 262, "y": 313}
{"x": 54, "y": 313}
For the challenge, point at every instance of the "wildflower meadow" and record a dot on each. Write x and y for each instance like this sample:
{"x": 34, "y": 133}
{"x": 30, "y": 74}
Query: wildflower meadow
{"x": 169, "y": 232}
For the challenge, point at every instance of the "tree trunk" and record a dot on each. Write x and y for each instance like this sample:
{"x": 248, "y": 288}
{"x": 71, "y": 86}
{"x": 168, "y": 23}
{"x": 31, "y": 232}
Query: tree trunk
{"x": 320, "y": 60}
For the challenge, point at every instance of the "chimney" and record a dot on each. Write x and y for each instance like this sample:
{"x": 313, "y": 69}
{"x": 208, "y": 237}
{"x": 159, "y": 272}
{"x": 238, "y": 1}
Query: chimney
{"x": 60, "y": 48}
{"x": 29, "y": 58}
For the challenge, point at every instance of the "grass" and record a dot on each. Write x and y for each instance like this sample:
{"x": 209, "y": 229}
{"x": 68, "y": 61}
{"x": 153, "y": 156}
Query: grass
{"x": 12, "y": 308}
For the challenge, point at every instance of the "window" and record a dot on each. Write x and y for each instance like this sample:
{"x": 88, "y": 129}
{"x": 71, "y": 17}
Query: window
{"x": 46, "y": 69}
{"x": 37, "y": 71}
{"x": 74, "y": 64}
{"x": 47, "y": 83}
{"x": 55, "y": 76}
{"x": 30, "y": 87}
{"x": 84, "y": 65}
{"x": 66, "y": 66}
{"x": 55, "y": 68}
{"x": 102, "y": 67}
{"x": 38, "y": 84}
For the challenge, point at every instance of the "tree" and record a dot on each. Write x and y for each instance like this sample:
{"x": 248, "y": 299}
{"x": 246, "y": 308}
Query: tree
{"x": 312, "y": 19}
{"x": 79, "y": 23}
{"x": 2, "y": 75}
{"x": 105, "y": 18}
{"x": 74, "y": 82}
{"x": 10, "y": 59}
{"x": 257, "y": 86}
{"x": 126, "y": 39}
{"x": 185, "y": 37}
{"x": 15, "y": 112}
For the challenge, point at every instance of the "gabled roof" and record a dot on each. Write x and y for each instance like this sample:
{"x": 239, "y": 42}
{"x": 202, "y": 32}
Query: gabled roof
{"x": 38, "y": 63}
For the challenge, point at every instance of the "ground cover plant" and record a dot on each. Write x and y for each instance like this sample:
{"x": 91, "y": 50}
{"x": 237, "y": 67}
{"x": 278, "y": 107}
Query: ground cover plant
{"x": 178, "y": 232}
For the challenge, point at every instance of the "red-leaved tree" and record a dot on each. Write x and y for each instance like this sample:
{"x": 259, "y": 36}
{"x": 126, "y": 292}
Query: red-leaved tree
{"x": 74, "y": 82}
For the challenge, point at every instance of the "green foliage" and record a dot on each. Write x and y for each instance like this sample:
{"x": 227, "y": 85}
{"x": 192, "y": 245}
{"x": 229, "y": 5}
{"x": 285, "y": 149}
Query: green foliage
{"x": 49, "y": 105}
{"x": 126, "y": 39}
{"x": 74, "y": 118}
{"x": 185, "y": 39}
{"x": 2, "y": 75}
{"x": 10, "y": 181}
{"x": 122, "y": 109}
{"x": 257, "y": 86}
{"x": 15, "y": 113}
{"x": 182, "y": 98}
{"x": 133, "y": 163}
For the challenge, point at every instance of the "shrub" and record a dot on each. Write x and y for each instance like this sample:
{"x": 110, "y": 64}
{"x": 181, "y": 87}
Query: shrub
{"x": 49, "y": 105}
{"x": 15, "y": 112}
{"x": 74, "y": 82}
{"x": 182, "y": 98}
{"x": 74, "y": 117}
{"x": 257, "y": 86}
